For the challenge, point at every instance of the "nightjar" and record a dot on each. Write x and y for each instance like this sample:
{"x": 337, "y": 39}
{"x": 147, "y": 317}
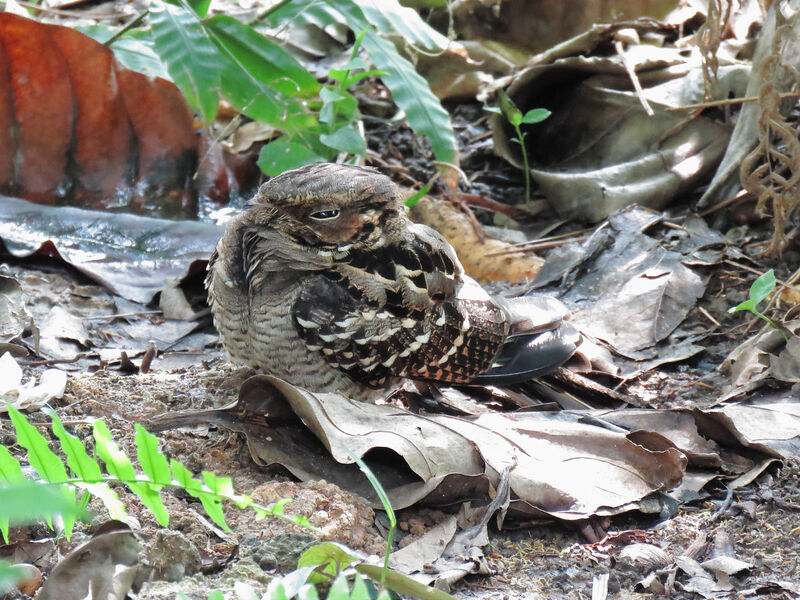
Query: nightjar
{"x": 324, "y": 282}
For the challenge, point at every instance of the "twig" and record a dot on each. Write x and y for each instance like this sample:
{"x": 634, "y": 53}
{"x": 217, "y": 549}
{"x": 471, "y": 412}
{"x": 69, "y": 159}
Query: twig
{"x": 127, "y": 27}
{"x": 123, "y": 315}
{"x": 725, "y": 203}
{"x": 631, "y": 69}
{"x": 708, "y": 316}
{"x": 493, "y": 205}
{"x": 727, "y": 102}
{"x": 61, "y": 13}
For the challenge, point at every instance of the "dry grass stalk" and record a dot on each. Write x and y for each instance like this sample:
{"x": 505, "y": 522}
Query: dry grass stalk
{"x": 708, "y": 41}
{"x": 771, "y": 172}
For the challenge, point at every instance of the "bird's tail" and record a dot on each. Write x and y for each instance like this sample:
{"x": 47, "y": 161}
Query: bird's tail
{"x": 540, "y": 340}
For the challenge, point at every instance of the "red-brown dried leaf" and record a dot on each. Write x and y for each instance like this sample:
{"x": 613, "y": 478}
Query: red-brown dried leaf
{"x": 43, "y": 106}
{"x": 75, "y": 124}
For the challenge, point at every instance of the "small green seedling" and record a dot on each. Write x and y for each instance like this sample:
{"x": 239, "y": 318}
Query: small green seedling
{"x": 516, "y": 118}
{"x": 761, "y": 288}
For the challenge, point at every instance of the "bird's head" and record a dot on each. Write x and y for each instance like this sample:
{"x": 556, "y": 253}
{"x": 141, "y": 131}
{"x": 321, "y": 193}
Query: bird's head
{"x": 331, "y": 207}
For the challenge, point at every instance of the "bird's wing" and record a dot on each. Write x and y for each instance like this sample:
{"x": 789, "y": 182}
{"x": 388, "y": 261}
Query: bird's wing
{"x": 405, "y": 311}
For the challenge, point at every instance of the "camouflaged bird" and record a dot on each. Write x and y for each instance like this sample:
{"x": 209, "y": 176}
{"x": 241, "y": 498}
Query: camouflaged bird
{"x": 324, "y": 282}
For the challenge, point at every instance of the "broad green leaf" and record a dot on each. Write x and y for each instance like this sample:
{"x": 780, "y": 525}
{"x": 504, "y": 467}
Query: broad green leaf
{"x": 413, "y": 95}
{"x": 535, "y": 115}
{"x": 260, "y": 101}
{"x": 262, "y": 58}
{"x": 134, "y": 50}
{"x": 331, "y": 557}
{"x": 389, "y": 16}
{"x": 346, "y": 139}
{"x": 154, "y": 463}
{"x": 283, "y": 154}
{"x": 302, "y": 12}
{"x": 84, "y": 466}
{"x": 216, "y": 595}
{"x": 199, "y": 6}
{"x": 192, "y": 59}
{"x": 763, "y": 286}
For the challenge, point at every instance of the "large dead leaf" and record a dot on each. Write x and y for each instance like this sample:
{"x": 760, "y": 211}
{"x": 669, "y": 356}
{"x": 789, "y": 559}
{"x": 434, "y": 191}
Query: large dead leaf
{"x": 600, "y": 150}
{"x": 104, "y": 568}
{"x": 632, "y": 284}
{"x": 75, "y": 124}
{"x": 558, "y": 467}
{"x": 132, "y": 256}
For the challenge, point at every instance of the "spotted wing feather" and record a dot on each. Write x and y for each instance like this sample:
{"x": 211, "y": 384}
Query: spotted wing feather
{"x": 415, "y": 325}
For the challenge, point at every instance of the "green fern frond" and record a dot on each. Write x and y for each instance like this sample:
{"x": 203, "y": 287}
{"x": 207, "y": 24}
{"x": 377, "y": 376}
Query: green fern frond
{"x": 158, "y": 472}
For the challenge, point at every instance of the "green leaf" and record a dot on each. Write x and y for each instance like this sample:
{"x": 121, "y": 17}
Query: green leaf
{"x": 403, "y": 584}
{"x": 47, "y": 464}
{"x": 389, "y": 16}
{"x": 492, "y": 109}
{"x": 192, "y": 59}
{"x": 509, "y": 109}
{"x": 339, "y": 590}
{"x": 10, "y": 576}
{"x": 763, "y": 286}
{"x": 84, "y": 466}
{"x": 346, "y": 139}
{"x": 262, "y": 58}
{"x": 199, "y": 6}
{"x": 10, "y": 469}
{"x": 119, "y": 465}
{"x": 749, "y": 305}
{"x": 418, "y": 195}
{"x": 308, "y": 592}
{"x": 154, "y": 464}
{"x": 328, "y": 558}
{"x": 413, "y": 95}
{"x": 283, "y": 154}
{"x": 360, "y": 591}
{"x": 25, "y": 502}
{"x": 216, "y": 595}
{"x": 535, "y": 115}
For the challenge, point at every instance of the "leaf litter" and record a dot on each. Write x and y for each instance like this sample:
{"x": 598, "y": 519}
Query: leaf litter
{"x": 733, "y": 444}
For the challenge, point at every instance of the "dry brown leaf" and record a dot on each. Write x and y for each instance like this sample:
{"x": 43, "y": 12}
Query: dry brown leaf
{"x": 485, "y": 259}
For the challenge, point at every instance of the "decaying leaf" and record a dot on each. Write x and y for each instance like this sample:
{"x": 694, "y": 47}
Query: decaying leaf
{"x": 484, "y": 258}
{"x": 145, "y": 252}
{"x": 553, "y": 465}
{"x": 72, "y": 120}
{"x": 632, "y": 284}
{"x": 104, "y": 568}
{"x": 600, "y": 151}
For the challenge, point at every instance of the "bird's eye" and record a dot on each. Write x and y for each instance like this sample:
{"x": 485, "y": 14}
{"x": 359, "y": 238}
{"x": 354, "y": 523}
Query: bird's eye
{"x": 324, "y": 215}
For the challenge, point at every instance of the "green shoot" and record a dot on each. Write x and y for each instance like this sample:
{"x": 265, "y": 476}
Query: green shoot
{"x": 516, "y": 118}
{"x": 761, "y": 288}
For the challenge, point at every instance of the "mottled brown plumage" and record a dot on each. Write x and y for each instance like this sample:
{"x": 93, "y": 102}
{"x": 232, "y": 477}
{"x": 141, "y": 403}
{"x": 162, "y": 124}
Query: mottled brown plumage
{"x": 324, "y": 282}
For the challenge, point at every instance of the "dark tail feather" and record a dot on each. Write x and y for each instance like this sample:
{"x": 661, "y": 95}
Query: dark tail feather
{"x": 526, "y": 357}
